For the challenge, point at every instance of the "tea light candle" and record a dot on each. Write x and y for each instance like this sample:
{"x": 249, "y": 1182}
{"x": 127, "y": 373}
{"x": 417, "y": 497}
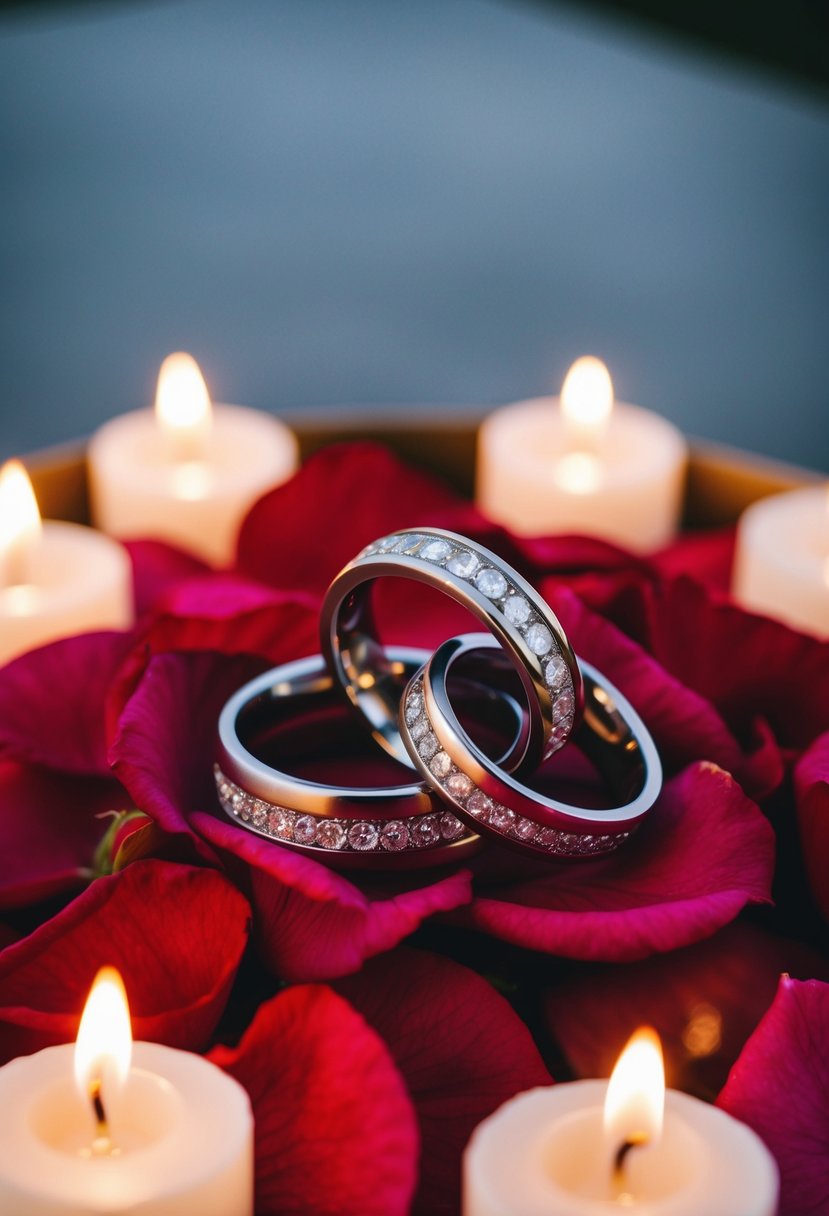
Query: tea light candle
{"x": 56, "y": 579}
{"x": 139, "y": 1128}
{"x": 594, "y": 1147}
{"x": 781, "y": 561}
{"x": 188, "y": 471}
{"x": 583, "y": 464}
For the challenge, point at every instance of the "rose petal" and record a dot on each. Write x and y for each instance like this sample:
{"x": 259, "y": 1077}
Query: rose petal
{"x": 335, "y": 1131}
{"x": 684, "y": 725}
{"x": 166, "y": 735}
{"x": 312, "y": 923}
{"x": 461, "y": 1048}
{"x": 175, "y": 933}
{"x": 811, "y": 784}
{"x": 156, "y": 568}
{"x": 378, "y": 490}
{"x": 707, "y": 557}
{"x": 51, "y": 702}
{"x": 703, "y": 853}
{"x": 49, "y": 828}
{"x": 704, "y": 1001}
{"x": 780, "y": 1088}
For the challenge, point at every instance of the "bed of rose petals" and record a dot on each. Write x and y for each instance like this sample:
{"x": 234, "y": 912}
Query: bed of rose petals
{"x": 369, "y": 1059}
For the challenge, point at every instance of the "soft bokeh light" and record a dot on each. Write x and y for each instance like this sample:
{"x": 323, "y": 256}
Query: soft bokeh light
{"x": 182, "y": 403}
{"x": 587, "y": 399}
{"x": 20, "y": 524}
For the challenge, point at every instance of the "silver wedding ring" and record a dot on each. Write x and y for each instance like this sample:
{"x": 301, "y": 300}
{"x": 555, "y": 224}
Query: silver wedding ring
{"x": 492, "y": 591}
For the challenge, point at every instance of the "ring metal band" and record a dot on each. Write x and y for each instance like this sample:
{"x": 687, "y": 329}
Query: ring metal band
{"x": 492, "y": 591}
{"x": 402, "y": 826}
{"x": 611, "y": 734}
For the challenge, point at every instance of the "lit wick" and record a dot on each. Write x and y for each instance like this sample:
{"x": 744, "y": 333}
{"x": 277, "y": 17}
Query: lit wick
{"x": 634, "y": 1105}
{"x": 102, "y": 1145}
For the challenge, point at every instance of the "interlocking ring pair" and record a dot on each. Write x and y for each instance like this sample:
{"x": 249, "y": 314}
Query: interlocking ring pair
{"x": 428, "y": 713}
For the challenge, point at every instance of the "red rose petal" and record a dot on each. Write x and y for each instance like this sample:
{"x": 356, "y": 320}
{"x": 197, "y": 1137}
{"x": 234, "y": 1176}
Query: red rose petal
{"x": 335, "y": 1131}
{"x": 461, "y": 1048}
{"x": 51, "y": 702}
{"x": 704, "y": 852}
{"x": 312, "y": 923}
{"x": 166, "y": 735}
{"x": 704, "y": 1001}
{"x": 684, "y": 725}
{"x": 780, "y": 1088}
{"x": 343, "y": 497}
{"x": 175, "y": 933}
{"x": 156, "y": 568}
{"x": 811, "y": 784}
{"x": 50, "y": 826}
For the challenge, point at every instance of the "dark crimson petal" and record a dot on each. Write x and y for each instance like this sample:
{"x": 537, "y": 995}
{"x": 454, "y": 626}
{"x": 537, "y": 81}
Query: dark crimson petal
{"x": 707, "y": 557}
{"x": 51, "y": 702}
{"x": 704, "y": 1001}
{"x": 312, "y": 923}
{"x": 166, "y": 736}
{"x": 156, "y": 568}
{"x": 49, "y": 829}
{"x": 335, "y": 1131}
{"x": 703, "y": 853}
{"x": 811, "y": 784}
{"x": 684, "y": 725}
{"x": 345, "y": 496}
{"x": 747, "y": 665}
{"x": 780, "y": 1088}
{"x": 175, "y": 933}
{"x": 461, "y": 1048}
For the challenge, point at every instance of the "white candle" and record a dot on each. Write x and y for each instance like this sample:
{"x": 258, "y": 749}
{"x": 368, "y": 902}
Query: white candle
{"x": 188, "y": 471}
{"x": 781, "y": 562}
{"x": 581, "y": 1150}
{"x": 56, "y": 579}
{"x": 582, "y": 464}
{"x": 177, "y": 1139}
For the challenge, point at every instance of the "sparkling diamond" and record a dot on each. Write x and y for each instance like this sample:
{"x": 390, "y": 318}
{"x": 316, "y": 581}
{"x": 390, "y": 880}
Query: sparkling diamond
{"x": 362, "y": 836}
{"x": 410, "y": 542}
{"x": 441, "y": 765}
{"x": 517, "y": 610}
{"x": 259, "y": 814}
{"x": 478, "y": 804}
{"x": 330, "y": 834}
{"x": 464, "y": 564}
{"x": 524, "y": 829}
{"x": 305, "y": 829}
{"x": 281, "y": 822}
{"x": 426, "y": 831}
{"x": 548, "y": 838}
{"x": 459, "y": 785}
{"x": 428, "y": 745}
{"x": 387, "y": 543}
{"x": 491, "y": 583}
{"x": 539, "y": 639}
{"x": 564, "y": 706}
{"x": 436, "y": 550}
{"x": 394, "y": 836}
{"x": 555, "y": 672}
{"x": 414, "y": 707}
{"x": 419, "y": 728}
{"x": 451, "y": 827}
{"x": 501, "y": 817}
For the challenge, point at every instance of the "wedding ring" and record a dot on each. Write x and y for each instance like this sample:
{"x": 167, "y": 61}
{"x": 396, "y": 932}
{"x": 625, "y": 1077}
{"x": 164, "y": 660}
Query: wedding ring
{"x": 611, "y": 734}
{"x": 401, "y": 826}
{"x": 492, "y": 591}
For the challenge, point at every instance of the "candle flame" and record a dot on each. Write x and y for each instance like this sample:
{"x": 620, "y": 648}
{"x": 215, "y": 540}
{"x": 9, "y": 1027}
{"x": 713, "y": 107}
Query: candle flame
{"x": 587, "y": 399}
{"x": 20, "y": 529}
{"x": 182, "y": 403}
{"x": 635, "y": 1103}
{"x": 103, "y": 1050}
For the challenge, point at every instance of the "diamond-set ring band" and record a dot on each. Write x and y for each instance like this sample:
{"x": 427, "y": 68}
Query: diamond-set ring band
{"x": 490, "y": 590}
{"x": 496, "y": 804}
{"x": 406, "y": 825}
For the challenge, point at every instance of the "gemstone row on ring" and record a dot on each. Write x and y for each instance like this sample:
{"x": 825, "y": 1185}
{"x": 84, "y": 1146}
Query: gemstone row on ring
{"x": 463, "y": 791}
{"x": 505, "y": 597}
{"x": 416, "y": 832}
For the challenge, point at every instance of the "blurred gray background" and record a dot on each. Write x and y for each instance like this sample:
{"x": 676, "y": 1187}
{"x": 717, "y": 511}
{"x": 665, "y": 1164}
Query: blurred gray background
{"x": 388, "y": 202}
